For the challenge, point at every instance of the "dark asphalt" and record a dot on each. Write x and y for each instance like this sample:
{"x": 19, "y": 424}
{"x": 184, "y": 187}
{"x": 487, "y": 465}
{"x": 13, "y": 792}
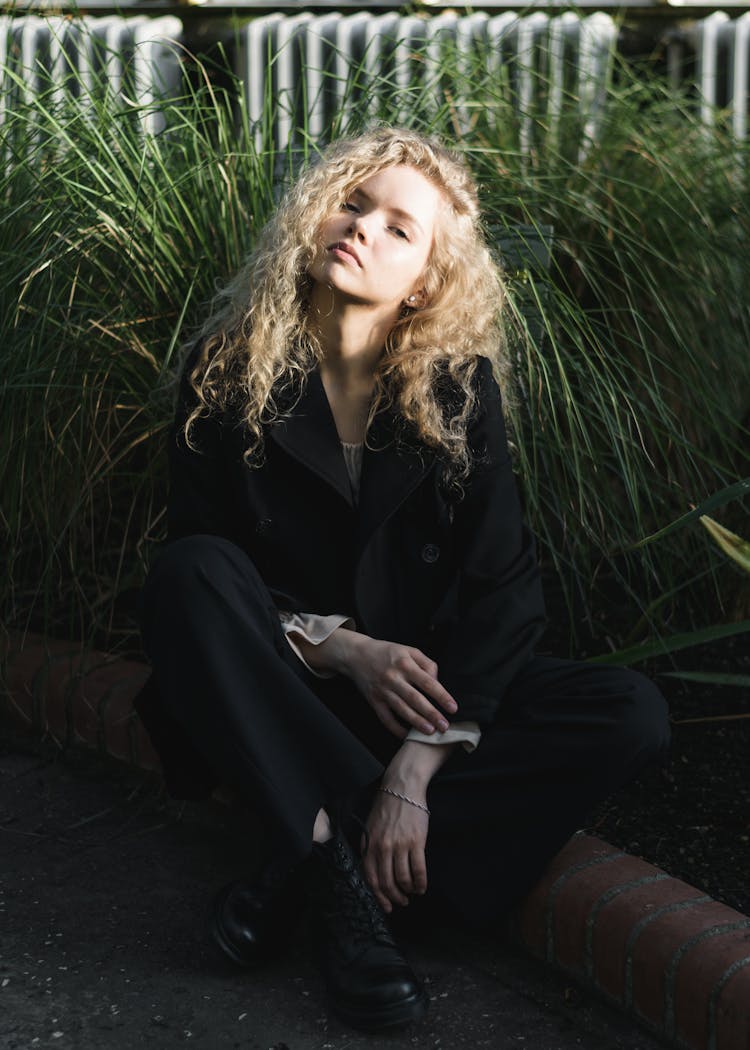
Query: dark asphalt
{"x": 105, "y": 882}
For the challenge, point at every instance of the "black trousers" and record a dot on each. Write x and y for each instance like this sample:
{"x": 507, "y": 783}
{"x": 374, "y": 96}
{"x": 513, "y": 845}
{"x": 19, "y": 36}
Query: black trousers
{"x": 230, "y": 701}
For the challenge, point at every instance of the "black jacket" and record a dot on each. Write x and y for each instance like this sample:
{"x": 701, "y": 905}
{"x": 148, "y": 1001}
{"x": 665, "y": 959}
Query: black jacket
{"x": 457, "y": 578}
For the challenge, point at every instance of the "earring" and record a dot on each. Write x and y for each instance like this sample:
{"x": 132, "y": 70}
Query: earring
{"x": 412, "y": 299}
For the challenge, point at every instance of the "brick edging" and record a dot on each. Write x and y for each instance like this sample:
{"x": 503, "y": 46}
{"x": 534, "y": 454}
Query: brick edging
{"x": 657, "y": 947}
{"x": 75, "y": 697}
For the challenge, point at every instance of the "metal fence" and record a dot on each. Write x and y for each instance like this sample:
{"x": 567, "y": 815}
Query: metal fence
{"x": 315, "y": 71}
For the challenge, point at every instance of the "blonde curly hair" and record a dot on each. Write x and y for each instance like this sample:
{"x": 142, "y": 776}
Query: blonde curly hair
{"x": 257, "y": 346}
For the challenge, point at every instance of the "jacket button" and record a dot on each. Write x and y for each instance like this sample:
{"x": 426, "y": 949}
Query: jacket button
{"x": 263, "y": 526}
{"x": 430, "y": 552}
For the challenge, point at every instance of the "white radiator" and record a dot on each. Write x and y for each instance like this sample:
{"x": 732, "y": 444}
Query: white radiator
{"x": 314, "y": 70}
{"x": 123, "y": 59}
{"x": 714, "y": 55}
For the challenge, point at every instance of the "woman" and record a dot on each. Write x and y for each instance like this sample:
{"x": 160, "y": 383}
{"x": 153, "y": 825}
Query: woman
{"x": 344, "y": 619}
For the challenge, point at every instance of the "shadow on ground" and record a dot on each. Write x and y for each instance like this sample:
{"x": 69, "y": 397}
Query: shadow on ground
{"x": 105, "y": 882}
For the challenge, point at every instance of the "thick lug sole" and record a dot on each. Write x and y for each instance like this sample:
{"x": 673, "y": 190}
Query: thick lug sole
{"x": 385, "y": 1019}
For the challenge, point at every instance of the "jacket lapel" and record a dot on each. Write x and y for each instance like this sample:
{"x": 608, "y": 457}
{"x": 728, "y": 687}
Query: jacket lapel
{"x": 391, "y": 468}
{"x": 310, "y": 435}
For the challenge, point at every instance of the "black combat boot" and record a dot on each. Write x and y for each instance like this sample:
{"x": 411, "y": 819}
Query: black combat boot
{"x": 370, "y": 985}
{"x": 253, "y": 920}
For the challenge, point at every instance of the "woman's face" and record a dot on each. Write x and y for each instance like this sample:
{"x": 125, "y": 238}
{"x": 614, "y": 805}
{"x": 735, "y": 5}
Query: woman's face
{"x": 375, "y": 249}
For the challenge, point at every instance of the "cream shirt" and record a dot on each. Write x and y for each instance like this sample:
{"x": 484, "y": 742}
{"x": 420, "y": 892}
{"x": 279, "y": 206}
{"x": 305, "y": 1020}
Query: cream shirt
{"x": 315, "y": 628}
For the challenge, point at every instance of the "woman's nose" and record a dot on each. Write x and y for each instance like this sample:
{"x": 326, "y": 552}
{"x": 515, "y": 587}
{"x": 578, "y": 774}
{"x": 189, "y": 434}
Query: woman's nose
{"x": 358, "y": 227}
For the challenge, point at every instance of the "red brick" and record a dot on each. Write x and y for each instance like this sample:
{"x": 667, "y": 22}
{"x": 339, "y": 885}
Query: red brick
{"x": 84, "y": 728}
{"x": 20, "y": 642}
{"x": 23, "y": 663}
{"x": 134, "y": 676}
{"x": 77, "y": 695}
{"x": 18, "y": 697}
{"x": 116, "y": 716}
{"x": 54, "y": 687}
{"x": 90, "y": 698}
{"x": 617, "y": 919}
{"x": 12, "y": 642}
{"x": 655, "y": 948}
{"x": 225, "y": 794}
{"x": 698, "y": 973}
{"x": 21, "y": 669}
{"x": 119, "y": 719}
{"x": 530, "y": 920}
{"x": 19, "y": 708}
{"x": 145, "y": 755}
{"x": 40, "y": 677}
{"x": 109, "y": 690}
{"x": 732, "y": 1019}
{"x": 8, "y": 642}
{"x": 575, "y": 900}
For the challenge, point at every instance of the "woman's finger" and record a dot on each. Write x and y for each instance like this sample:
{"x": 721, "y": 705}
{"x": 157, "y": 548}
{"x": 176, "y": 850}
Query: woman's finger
{"x": 396, "y": 705}
{"x": 427, "y": 681}
{"x": 387, "y": 881}
{"x": 418, "y": 866}
{"x": 402, "y": 870}
{"x": 370, "y": 871}
{"x": 408, "y": 714}
{"x": 424, "y": 661}
{"x": 431, "y": 688}
{"x": 412, "y": 706}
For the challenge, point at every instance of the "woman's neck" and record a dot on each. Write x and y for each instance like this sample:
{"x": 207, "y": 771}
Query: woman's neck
{"x": 351, "y": 335}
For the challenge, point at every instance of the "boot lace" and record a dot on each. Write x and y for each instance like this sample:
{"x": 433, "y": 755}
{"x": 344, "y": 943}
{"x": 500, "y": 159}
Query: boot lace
{"x": 353, "y": 909}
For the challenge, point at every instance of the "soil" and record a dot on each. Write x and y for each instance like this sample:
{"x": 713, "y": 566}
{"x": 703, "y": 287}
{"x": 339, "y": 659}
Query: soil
{"x": 693, "y": 820}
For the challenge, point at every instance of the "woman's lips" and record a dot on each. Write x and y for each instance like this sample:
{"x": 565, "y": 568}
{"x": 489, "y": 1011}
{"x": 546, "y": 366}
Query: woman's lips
{"x": 345, "y": 250}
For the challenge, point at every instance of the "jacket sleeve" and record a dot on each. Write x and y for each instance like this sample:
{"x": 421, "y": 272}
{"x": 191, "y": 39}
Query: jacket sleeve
{"x": 499, "y": 613}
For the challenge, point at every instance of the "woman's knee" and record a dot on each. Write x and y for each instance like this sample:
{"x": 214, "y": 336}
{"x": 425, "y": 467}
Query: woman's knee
{"x": 192, "y": 562}
{"x": 641, "y": 721}
{"x": 193, "y": 572}
{"x": 624, "y": 711}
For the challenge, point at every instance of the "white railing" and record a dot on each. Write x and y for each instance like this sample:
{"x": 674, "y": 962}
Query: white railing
{"x": 321, "y": 71}
{"x": 127, "y": 60}
{"x": 317, "y": 71}
{"x": 714, "y": 55}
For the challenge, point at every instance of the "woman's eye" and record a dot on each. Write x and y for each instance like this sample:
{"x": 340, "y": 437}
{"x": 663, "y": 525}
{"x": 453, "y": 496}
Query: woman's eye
{"x": 348, "y": 206}
{"x": 399, "y": 232}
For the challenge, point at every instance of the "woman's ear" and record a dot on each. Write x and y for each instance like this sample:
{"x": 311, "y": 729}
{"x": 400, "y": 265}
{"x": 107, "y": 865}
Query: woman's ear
{"x": 416, "y": 300}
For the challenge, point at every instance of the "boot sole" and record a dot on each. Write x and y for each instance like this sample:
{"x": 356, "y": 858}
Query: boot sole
{"x": 398, "y": 1015}
{"x": 216, "y": 934}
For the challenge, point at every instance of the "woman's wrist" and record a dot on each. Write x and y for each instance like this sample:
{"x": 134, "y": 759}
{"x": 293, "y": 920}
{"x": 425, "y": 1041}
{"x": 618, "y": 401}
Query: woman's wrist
{"x": 332, "y": 654}
{"x": 414, "y": 765}
{"x": 418, "y": 803}
{"x": 343, "y": 645}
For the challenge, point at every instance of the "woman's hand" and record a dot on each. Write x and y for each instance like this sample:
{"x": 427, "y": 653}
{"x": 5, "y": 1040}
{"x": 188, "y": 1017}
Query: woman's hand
{"x": 394, "y": 851}
{"x": 398, "y": 681}
{"x": 394, "y": 859}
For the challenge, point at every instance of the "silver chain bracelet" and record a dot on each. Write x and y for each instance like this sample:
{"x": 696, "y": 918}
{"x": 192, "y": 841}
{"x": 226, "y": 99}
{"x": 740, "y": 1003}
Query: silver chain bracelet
{"x": 403, "y": 798}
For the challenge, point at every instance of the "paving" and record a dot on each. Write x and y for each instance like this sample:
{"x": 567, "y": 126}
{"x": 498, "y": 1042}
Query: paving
{"x": 105, "y": 882}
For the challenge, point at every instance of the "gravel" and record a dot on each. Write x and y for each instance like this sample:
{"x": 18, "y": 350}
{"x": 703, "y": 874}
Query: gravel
{"x": 694, "y": 819}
